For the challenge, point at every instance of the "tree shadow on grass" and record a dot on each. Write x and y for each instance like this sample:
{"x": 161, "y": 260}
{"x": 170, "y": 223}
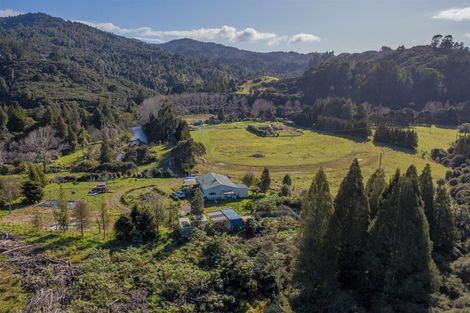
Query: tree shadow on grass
{"x": 396, "y": 148}
{"x": 58, "y": 242}
{"x": 356, "y": 139}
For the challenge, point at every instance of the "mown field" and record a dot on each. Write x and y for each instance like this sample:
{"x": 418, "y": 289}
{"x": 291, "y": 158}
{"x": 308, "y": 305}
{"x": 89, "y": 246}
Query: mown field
{"x": 232, "y": 150}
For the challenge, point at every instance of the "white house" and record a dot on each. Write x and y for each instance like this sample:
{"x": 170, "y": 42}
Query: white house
{"x": 220, "y": 187}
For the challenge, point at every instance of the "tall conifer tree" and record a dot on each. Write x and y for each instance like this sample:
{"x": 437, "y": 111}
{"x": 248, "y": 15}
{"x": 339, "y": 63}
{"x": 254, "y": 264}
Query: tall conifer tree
{"x": 427, "y": 192}
{"x": 445, "y": 234}
{"x": 347, "y": 231}
{"x": 374, "y": 187}
{"x": 411, "y": 274}
{"x": 317, "y": 209}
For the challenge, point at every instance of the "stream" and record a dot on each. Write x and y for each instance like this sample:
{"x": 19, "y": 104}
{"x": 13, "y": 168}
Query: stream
{"x": 138, "y": 134}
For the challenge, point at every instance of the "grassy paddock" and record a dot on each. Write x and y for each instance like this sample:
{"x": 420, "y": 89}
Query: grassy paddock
{"x": 231, "y": 150}
{"x": 247, "y": 87}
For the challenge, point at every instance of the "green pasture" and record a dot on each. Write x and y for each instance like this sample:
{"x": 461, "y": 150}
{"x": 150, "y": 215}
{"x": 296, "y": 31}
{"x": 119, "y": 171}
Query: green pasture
{"x": 234, "y": 151}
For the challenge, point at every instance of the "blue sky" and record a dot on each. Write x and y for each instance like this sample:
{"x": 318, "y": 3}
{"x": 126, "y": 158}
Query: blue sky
{"x": 268, "y": 25}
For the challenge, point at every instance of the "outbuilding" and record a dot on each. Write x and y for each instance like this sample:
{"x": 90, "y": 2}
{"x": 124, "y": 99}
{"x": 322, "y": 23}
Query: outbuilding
{"x": 219, "y": 219}
{"x": 235, "y": 220}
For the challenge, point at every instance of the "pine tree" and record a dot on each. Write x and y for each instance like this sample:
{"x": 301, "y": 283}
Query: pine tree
{"x": 317, "y": 209}
{"x": 445, "y": 234}
{"x": 32, "y": 192}
{"x": 62, "y": 214}
{"x": 197, "y": 203}
{"x": 62, "y": 128}
{"x": 427, "y": 192}
{"x": 374, "y": 187}
{"x": 182, "y": 131}
{"x": 347, "y": 232}
{"x": 381, "y": 239}
{"x": 265, "y": 181}
{"x": 72, "y": 138}
{"x": 106, "y": 153}
{"x": 285, "y": 191}
{"x": 410, "y": 275}
{"x": 287, "y": 180}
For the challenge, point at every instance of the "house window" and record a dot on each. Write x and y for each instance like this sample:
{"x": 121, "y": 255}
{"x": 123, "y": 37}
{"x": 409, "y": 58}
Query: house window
{"x": 212, "y": 193}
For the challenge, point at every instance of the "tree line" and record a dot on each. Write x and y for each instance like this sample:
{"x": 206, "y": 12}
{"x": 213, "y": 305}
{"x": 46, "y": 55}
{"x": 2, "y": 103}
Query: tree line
{"x": 403, "y": 137}
{"x": 340, "y": 115}
{"x": 372, "y": 247}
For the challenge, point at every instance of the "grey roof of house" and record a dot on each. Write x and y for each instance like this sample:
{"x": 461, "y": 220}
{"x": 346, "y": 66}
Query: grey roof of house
{"x": 211, "y": 180}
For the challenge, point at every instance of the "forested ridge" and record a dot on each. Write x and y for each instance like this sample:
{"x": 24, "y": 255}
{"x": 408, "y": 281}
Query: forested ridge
{"x": 249, "y": 64}
{"x": 397, "y": 78}
{"x": 40, "y": 48}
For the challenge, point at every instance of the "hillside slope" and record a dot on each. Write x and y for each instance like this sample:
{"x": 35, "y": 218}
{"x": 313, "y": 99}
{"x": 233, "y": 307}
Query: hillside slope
{"x": 44, "y": 56}
{"x": 250, "y": 64}
{"x": 400, "y": 78}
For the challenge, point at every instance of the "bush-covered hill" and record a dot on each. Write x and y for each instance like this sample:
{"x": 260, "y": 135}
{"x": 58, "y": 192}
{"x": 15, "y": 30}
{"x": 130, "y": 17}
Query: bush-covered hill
{"x": 414, "y": 77}
{"x": 43, "y": 56}
{"x": 249, "y": 64}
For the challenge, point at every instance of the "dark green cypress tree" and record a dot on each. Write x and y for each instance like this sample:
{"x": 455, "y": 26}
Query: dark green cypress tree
{"x": 375, "y": 186}
{"x": 311, "y": 261}
{"x": 182, "y": 131}
{"x": 62, "y": 128}
{"x": 265, "y": 181}
{"x": 72, "y": 138}
{"x": 18, "y": 120}
{"x": 197, "y": 203}
{"x": 347, "y": 232}
{"x": 410, "y": 274}
{"x": 427, "y": 193}
{"x": 106, "y": 153}
{"x": 287, "y": 180}
{"x": 381, "y": 233}
{"x": 32, "y": 192}
{"x": 50, "y": 116}
{"x": 445, "y": 233}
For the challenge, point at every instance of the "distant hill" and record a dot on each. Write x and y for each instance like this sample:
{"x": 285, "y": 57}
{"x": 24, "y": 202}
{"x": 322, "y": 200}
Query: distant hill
{"x": 47, "y": 57}
{"x": 250, "y": 64}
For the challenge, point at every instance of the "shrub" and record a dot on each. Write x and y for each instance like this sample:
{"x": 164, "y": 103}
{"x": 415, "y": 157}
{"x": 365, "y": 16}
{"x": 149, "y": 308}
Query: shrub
{"x": 32, "y": 192}
{"x": 84, "y": 166}
{"x": 115, "y": 167}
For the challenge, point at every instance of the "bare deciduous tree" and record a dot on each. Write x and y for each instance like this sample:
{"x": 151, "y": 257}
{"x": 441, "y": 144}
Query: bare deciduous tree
{"x": 104, "y": 217}
{"x": 159, "y": 206}
{"x": 82, "y": 215}
{"x": 11, "y": 190}
{"x": 41, "y": 145}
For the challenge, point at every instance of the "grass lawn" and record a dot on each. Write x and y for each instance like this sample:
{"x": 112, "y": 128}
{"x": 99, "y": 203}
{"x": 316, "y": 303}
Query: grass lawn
{"x": 231, "y": 149}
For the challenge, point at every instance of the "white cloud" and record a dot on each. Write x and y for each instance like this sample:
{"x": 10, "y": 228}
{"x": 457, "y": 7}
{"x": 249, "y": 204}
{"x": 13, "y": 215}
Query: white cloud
{"x": 454, "y": 14}
{"x": 302, "y": 37}
{"x": 9, "y": 12}
{"x": 467, "y": 35}
{"x": 224, "y": 33}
